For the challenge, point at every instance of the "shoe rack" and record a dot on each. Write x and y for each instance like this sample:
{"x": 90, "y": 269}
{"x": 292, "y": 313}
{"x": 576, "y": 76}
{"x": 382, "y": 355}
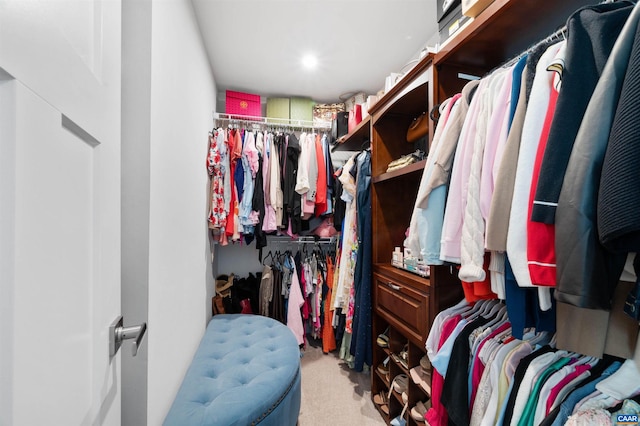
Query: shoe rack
{"x": 403, "y": 356}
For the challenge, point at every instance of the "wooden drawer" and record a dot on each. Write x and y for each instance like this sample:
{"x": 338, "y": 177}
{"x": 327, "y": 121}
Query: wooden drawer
{"x": 404, "y": 307}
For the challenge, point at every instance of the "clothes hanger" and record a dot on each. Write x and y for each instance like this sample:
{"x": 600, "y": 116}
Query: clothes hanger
{"x": 553, "y": 341}
{"x": 542, "y": 338}
{"x": 476, "y": 310}
{"x": 500, "y": 316}
{"x": 490, "y": 306}
{"x": 495, "y": 310}
{"x": 269, "y": 255}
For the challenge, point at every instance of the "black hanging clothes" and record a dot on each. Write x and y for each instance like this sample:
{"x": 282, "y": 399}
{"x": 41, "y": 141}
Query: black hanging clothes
{"x": 276, "y": 308}
{"x": 339, "y": 206}
{"x": 292, "y": 201}
{"x": 455, "y": 391}
{"x": 257, "y": 204}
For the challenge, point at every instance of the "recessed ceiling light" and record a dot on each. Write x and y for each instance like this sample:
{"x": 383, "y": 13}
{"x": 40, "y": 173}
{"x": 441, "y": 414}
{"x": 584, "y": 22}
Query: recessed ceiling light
{"x": 309, "y": 61}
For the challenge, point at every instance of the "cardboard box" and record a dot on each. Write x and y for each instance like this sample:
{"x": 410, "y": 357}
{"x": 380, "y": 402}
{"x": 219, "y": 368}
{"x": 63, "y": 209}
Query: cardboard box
{"x": 473, "y": 8}
{"x": 239, "y": 103}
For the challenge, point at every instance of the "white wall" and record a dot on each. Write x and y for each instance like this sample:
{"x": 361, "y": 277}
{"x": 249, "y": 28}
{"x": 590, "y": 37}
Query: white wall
{"x": 7, "y": 244}
{"x": 180, "y": 279}
{"x": 136, "y": 145}
{"x": 241, "y": 259}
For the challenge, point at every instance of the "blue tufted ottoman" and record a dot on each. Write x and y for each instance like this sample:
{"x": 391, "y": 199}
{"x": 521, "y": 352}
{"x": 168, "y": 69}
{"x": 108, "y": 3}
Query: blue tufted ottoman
{"x": 246, "y": 371}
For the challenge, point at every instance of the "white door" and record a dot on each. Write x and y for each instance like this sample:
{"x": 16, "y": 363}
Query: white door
{"x": 59, "y": 212}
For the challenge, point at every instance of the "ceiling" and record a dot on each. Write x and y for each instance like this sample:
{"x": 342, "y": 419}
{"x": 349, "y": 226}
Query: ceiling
{"x": 257, "y": 46}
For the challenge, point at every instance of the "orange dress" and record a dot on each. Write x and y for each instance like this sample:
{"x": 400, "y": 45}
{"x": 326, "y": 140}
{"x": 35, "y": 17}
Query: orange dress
{"x": 328, "y": 338}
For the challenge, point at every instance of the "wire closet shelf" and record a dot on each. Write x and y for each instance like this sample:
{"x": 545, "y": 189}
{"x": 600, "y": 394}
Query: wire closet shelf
{"x": 262, "y": 123}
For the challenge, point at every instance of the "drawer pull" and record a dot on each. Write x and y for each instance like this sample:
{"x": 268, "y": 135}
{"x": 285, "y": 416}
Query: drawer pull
{"x": 393, "y": 286}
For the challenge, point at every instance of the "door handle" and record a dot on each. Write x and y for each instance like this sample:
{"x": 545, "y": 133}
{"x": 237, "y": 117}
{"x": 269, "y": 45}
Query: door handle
{"x": 118, "y": 333}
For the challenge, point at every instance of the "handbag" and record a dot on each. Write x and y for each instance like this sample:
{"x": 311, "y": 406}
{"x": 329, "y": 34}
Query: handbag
{"x": 355, "y": 117}
{"x": 340, "y": 126}
{"x": 419, "y": 128}
{"x": 217, "y": 305}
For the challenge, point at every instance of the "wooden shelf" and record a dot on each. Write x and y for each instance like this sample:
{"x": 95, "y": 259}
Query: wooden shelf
{"x": 383, "y": 378}
{"x": 411, "y": 168}
{"x": 400, "y": 366}
{"x": 398, "y": 397}
{"x": 505, "y": 29}
{"x": 354, "y": 140}
{"x": 410, "y": 79}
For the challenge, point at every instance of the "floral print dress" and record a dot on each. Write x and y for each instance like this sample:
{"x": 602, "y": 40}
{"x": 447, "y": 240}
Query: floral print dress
{"x": 217, "y": 210}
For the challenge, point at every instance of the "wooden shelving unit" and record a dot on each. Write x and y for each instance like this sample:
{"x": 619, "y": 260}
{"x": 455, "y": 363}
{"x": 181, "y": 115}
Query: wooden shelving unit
{"x": 404, "y": 302}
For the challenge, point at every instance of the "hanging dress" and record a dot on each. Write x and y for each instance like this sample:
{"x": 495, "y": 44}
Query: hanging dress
{"x": 217, "y": 210}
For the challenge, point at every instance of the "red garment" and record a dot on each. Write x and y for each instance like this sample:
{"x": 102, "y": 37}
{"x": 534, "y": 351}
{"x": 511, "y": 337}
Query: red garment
{"x": 321, "y": 185}
{"x": 564, "y": 382}
{"x": 233, "y": 202}
{"x": 437, "y": 414}
{"x": 480, "y": 290}
{"x": 306, "y": 307}
{"x": 541, "y": 237}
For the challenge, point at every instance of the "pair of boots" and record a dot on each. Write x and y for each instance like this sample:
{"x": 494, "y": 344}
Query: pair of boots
{"x": 223, "y": 291}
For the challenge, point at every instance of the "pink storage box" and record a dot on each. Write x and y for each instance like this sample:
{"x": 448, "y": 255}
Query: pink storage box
{"x": 239, "y": 103}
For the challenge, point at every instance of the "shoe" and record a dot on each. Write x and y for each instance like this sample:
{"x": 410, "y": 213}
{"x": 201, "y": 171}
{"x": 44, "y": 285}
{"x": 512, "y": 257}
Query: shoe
{"x": 404, "y": 356}
{"x": 400, "y": 383}
{"x": 382, "y": 402}
{"x": 421, "y": 379}
{"x": 398, "y": 421}
{"x": 385, "y": 409}
{"x": 405, "y": 397}
{"x": 383, "y": 370}
{"x": 223, "y": 285}
{"x": 380, "y": 398}
{"x": 418, "y": 412}
{"x": 383, "y": 339}
{"x": 425, "y": 364}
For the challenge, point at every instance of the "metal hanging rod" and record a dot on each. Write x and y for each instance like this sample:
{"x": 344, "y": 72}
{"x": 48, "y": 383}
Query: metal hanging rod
{"x": 558, "y": 34}
{"x": 303, "y": 240}
{"x": 261, "y": 122}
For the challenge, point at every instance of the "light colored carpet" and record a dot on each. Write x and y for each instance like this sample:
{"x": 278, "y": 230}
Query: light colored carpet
{"x": 333, "y": 394}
